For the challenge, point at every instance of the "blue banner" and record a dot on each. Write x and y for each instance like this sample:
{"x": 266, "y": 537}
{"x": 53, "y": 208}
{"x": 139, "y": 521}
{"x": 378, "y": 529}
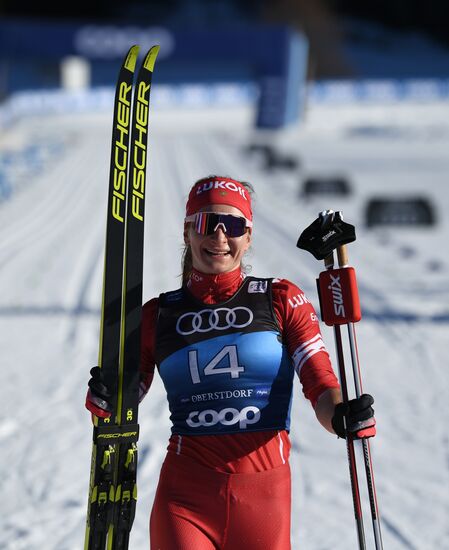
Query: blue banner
{"x": 273, "y": 57}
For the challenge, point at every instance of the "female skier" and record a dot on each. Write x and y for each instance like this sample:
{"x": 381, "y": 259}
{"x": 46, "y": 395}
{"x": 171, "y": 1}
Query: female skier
{"x": 226, "y": 346}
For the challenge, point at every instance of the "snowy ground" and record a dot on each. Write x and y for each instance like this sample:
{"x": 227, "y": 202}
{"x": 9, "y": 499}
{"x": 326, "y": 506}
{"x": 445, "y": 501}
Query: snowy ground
{"x": 50, "y": 273}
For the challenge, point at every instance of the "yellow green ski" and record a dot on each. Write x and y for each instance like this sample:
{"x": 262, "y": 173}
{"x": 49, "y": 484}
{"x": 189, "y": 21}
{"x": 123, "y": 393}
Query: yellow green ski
{"x": 113, "y": 487}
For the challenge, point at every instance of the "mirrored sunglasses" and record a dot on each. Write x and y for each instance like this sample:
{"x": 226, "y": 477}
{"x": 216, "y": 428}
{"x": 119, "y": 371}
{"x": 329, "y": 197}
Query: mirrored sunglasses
{"x": 206, "y": 223}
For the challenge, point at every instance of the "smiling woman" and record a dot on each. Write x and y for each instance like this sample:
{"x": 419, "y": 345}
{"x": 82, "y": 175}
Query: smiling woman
{"x": 226, "y": 347}
{"x": 217, "y": 244}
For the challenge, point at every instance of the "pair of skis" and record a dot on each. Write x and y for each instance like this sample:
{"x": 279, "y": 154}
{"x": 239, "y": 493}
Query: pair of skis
{"x": 340, "y": 306}
{"x": 112, "y": 487}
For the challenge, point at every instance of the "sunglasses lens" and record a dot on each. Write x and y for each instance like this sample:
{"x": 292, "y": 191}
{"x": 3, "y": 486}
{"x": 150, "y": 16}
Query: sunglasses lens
{"x": 206, "y": 223}
{"x": 235, "y": 227}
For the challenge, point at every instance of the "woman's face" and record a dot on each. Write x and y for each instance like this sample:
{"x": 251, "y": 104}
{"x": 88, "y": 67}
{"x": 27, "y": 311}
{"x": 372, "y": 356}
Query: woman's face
{"x": 217, "y": 253}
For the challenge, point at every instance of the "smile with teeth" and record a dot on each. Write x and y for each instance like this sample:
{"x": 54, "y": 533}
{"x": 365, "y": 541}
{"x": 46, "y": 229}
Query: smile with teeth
{"x": 217, "y": 252}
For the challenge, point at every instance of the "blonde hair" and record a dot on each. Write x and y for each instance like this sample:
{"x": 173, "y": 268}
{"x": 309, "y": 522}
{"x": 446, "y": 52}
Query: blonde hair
{"x": 186, "y": 258}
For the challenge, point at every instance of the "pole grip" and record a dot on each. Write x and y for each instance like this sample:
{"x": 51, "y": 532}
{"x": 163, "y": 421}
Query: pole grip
{"x": 329, "y": 261}
{"x": 342, "y": 254}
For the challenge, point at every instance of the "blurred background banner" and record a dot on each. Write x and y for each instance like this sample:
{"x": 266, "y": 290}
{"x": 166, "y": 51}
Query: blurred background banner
{"x": 46, "y": 54}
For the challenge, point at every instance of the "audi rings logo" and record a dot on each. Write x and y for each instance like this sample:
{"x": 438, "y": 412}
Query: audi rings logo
{"x": 221, "y": 318}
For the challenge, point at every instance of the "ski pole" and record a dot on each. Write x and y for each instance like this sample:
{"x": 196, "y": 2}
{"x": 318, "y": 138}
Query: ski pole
{"x": 358, "y": 513}
{"x": 339, "y": 302}
{"x": 343, "y": 263}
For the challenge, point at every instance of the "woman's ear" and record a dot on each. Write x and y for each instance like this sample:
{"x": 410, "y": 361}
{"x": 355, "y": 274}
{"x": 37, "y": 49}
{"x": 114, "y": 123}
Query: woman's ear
{"x": 186, "y": 234}
{"x": 249, "y": 238}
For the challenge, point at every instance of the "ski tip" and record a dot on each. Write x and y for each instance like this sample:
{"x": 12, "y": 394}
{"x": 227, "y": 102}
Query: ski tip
{"x": 131, "y": 58}
{"x": 150, "y": 58}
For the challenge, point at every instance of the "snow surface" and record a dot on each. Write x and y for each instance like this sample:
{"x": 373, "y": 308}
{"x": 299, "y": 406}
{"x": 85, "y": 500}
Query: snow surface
{"x": 51, "y": 260}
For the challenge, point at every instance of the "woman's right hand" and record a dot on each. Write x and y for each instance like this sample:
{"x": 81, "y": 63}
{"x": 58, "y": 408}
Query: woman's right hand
{"x": 98, "y": 395}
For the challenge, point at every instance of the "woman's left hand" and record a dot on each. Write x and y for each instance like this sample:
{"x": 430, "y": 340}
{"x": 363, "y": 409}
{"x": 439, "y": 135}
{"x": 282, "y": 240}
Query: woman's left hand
{"x": 359, "y": 417}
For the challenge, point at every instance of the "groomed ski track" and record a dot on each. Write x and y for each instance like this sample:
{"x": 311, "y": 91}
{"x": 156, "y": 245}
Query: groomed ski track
{"x": 51, "y": 261}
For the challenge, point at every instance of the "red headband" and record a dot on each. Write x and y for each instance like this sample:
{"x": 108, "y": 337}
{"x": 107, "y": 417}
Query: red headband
{"x": 217, "y": 190}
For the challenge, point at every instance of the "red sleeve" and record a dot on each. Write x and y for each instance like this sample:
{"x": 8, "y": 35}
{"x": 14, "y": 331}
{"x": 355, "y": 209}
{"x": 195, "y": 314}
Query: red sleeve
{"x": 148, "y": 343}
{"x": 300, "y": 329}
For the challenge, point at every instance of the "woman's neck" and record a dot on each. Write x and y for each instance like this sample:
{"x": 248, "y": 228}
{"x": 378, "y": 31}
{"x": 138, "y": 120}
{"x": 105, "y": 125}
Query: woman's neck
{"x": 212, "y": 288}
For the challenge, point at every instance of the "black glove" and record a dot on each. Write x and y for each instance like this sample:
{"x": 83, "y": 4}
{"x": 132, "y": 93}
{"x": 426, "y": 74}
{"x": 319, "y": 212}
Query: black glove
{"x": 359, "y": 416}
{"x": 98, "y": 395}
